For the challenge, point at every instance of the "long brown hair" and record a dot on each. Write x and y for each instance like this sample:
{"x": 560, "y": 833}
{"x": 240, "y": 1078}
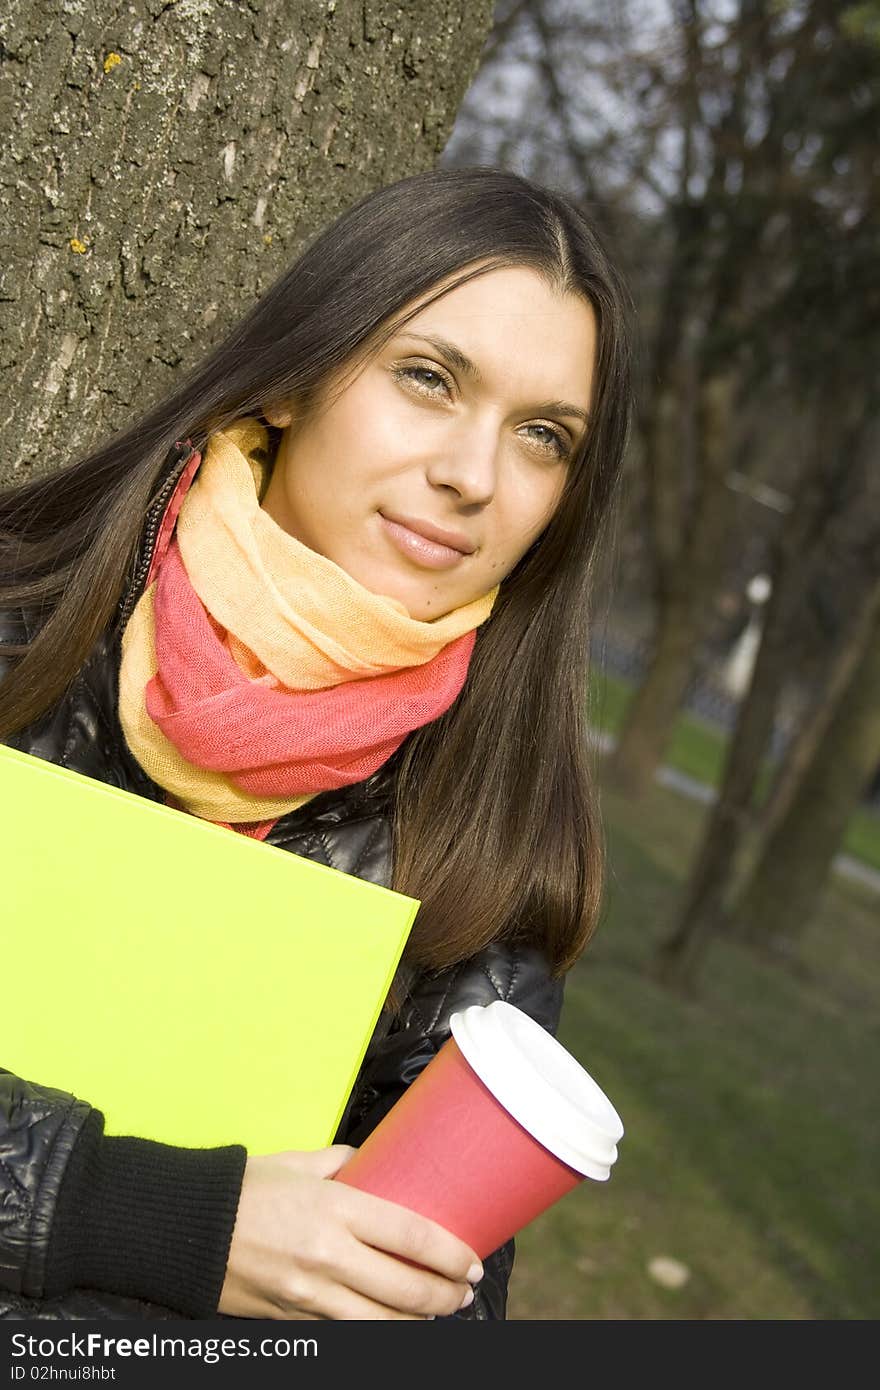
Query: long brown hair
{"x": 496, "y": 826}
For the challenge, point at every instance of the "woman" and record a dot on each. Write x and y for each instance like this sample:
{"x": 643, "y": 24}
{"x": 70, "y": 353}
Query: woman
{"x": 372, "y": 515}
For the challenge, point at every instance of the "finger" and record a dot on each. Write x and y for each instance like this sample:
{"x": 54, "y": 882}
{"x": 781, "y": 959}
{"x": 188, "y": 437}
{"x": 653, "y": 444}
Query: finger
{"x": 404, "y": 1233}
{"x": 340, "y": 1303}
{"x": 392, "y": 1283}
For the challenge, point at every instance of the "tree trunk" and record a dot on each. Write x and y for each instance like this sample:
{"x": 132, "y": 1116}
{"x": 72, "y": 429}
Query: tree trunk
{"x": 808, "y": 739}
{"x": 787, "y": 885}
{"x": 705, "y": 903}
{"x": 163, "y": 161}
{"x": 654, "y": 707}
{"x": 688, "y": 571}
{"x": 704, "y": 908}
{"x": 689, "y": 540}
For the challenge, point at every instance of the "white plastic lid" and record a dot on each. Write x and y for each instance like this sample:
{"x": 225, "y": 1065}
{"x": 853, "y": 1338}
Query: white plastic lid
{"x": 541, "y": 1085}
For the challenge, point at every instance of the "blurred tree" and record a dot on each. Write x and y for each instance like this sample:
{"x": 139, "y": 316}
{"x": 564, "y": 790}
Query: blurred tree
{"x": 786, "y": 216}
{"x": 164, "y": 160}
{"x": 785, "y": 890}
{"x": 797, "y": 569}
{"x": 824, "y": 317}
{"x": 844, "y": 609}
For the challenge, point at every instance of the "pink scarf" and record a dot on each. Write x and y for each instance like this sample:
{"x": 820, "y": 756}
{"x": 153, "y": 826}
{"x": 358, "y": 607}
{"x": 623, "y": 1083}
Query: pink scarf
{"x": 256, "y": 673}
{"x": 272, "y": 741}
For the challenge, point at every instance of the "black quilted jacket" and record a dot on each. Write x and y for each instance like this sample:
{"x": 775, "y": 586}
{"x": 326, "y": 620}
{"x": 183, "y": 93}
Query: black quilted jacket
{"x": 349, "y": 830}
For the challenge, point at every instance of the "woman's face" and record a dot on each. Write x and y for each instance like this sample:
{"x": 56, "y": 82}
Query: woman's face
{"x": 462, "y": 423}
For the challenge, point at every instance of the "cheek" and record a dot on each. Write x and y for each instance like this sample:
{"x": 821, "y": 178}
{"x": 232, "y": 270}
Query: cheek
{"x": 553, "y": 499}
{"x": 366, "y": 425}
{"x": 541, "y": 508}
{"x": 534, "y": 522}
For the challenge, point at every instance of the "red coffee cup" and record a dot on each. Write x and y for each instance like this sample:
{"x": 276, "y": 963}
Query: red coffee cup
{"x": 499, "y": 1125}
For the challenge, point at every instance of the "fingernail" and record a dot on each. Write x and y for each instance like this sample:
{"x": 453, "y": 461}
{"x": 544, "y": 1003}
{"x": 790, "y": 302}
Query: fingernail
{"x": 467, "y": 1300}
{"x": 475, "y": 1274}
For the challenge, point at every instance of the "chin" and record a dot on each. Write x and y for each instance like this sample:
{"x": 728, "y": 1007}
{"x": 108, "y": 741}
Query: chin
{"x": 416, "y": 606}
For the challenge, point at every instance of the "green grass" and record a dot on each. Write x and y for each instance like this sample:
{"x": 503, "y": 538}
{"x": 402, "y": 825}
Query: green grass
{"x": 752, "y": 1129}
{"x": 698, "y": 749}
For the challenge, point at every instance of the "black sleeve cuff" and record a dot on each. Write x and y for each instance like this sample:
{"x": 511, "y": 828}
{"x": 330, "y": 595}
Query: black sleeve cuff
{"x": 146, "y": 1220}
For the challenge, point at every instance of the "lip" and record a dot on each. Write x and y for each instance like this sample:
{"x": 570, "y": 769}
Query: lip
{"x": 453, "y": 540}
{"x": 425, "y": 544}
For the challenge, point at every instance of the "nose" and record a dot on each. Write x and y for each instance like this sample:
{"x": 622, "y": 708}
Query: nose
{"x": 468, "y": 461}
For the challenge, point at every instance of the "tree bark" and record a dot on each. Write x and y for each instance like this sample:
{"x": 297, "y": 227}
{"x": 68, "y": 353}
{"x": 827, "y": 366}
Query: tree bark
{"x": 163, "y": 161}
{"x": 787, "y": 886}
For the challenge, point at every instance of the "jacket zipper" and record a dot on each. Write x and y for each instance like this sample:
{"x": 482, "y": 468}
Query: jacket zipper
{"x": 155, "y": 514}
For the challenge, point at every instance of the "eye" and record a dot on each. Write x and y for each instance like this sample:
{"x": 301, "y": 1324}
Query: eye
{"x": 428, "y": 381}
{"x": 553, "y": 440}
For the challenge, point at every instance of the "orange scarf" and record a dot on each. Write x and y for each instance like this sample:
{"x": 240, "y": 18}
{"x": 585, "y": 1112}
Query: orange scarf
{"x": 255, "y": 672}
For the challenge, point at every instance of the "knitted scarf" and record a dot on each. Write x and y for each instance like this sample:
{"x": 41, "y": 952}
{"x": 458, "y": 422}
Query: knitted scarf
{"x": 255, "y": 672}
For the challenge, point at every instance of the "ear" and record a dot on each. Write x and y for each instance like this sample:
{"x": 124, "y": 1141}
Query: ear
{"x": 278, "y": 415}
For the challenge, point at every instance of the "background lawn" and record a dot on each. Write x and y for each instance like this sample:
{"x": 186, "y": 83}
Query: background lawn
{"x": 751, "y": 1147}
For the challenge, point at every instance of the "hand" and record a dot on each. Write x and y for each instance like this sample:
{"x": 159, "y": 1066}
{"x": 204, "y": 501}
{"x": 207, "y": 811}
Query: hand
{"x": 304, "y": 1247}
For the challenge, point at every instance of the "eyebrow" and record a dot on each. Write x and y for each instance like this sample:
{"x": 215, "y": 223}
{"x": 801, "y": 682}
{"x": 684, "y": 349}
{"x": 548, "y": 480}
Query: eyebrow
{"x": 456, "y": 358}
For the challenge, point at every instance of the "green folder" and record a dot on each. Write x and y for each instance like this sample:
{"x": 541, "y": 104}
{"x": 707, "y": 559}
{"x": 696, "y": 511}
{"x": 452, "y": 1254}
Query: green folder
{"x": 197, "y": 986}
